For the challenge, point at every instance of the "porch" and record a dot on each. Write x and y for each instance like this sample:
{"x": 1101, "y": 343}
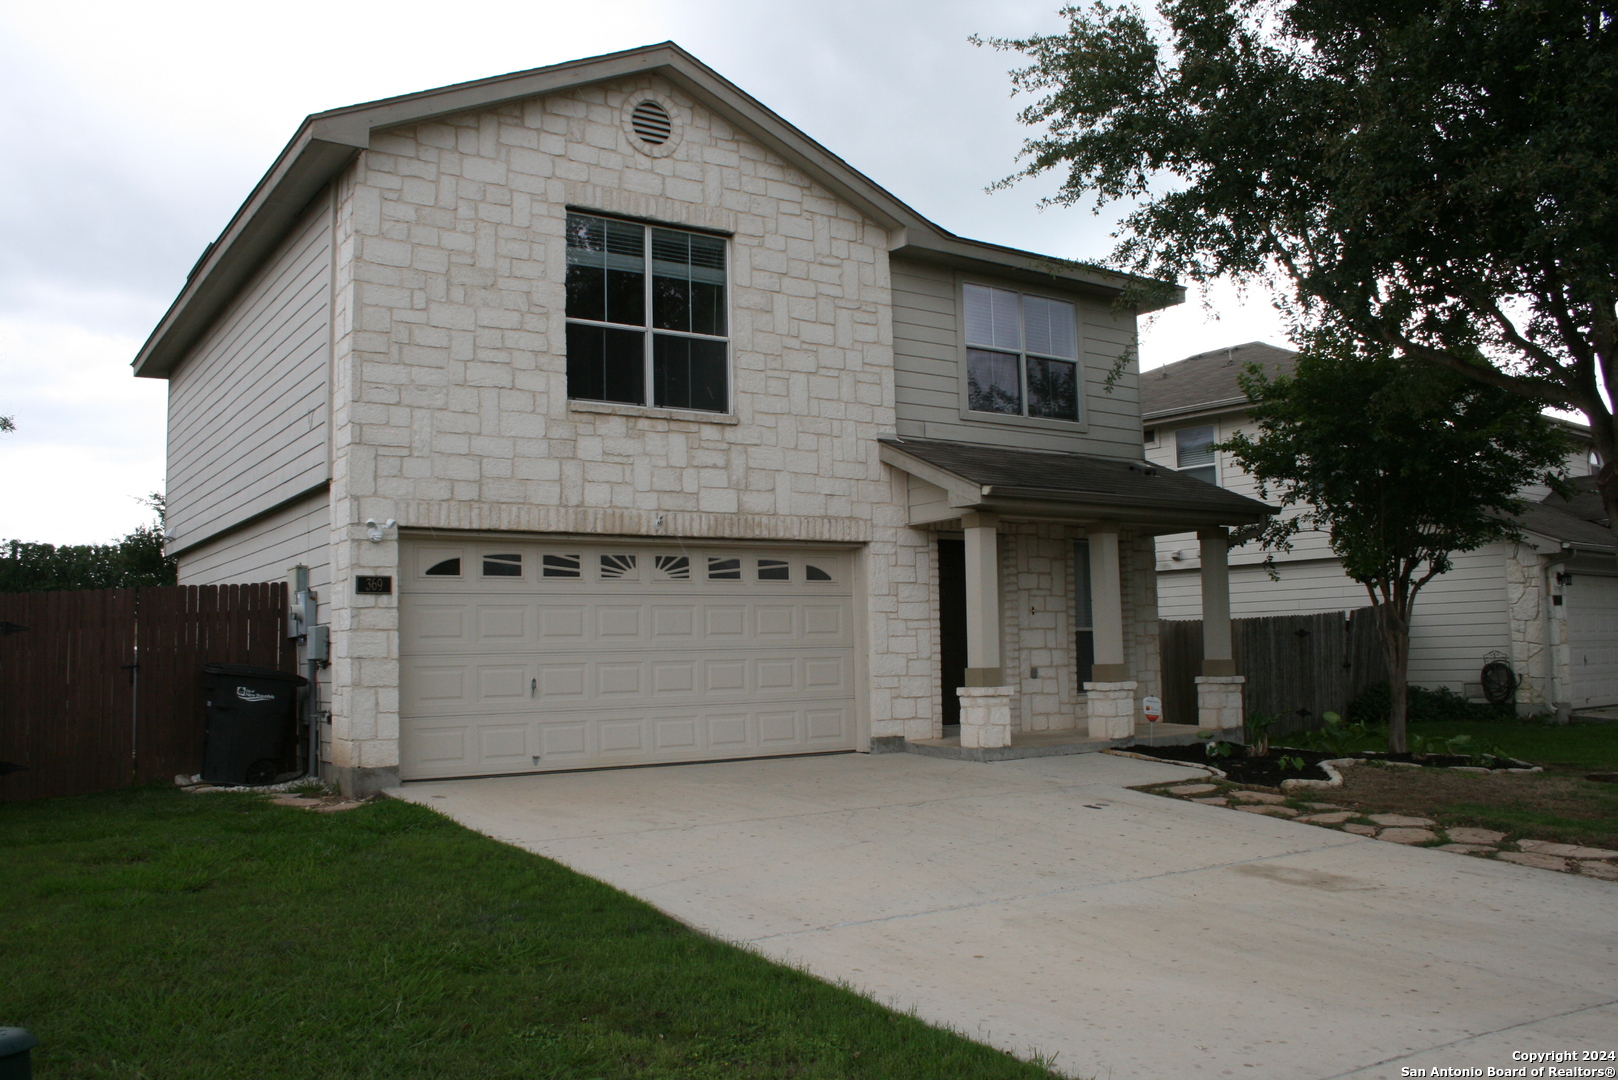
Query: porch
{"x": 1084, "y": 595}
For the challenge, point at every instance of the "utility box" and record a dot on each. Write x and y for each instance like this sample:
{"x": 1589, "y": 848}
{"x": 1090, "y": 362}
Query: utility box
{"x": 250, "y": 714}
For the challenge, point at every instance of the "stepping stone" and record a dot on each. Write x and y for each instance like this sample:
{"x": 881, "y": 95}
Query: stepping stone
{"x": 1323, "y": 806}
{"x": 1407, "y": 836}
{"x": 1467, "y": 849}
{"x": 1193, "y": 789}
{"x": 1530, "y": 858}
{"x": 332, "y": 808}
{"x": 294, "y": 800}
{"x": 1273, "y": 811}
{"x": 1566, "y": 851}
{"x": 1360, "y": 830}
{"x": 1403, "y": 821}
{"x": 1257, "y": 797}
{"x": 1475, "y": 836}
{"x": 1335, "y": 818}
{"x": 1606, "y": 871}
{"x": 1212, "y": 802}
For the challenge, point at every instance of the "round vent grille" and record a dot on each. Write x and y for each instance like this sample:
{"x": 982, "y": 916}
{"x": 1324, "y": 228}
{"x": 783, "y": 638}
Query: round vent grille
{"x": 651, "y": 122}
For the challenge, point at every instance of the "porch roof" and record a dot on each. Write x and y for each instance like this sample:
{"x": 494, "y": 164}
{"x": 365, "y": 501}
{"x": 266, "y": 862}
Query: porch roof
{"x": 1051, "y": 484}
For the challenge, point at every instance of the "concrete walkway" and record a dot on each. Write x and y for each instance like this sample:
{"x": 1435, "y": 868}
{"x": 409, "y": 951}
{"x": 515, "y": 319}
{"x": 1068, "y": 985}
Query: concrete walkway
{"x": 1042, "y": 907}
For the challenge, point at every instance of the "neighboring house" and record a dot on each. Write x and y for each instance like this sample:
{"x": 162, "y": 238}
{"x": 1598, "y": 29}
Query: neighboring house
{"x": 618, "y": 422}
{"x": 1548, "y": 605}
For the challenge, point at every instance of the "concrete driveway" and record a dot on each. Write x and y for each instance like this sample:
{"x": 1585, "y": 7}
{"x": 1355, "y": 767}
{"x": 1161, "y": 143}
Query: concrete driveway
{"x": 1041, "y": 906}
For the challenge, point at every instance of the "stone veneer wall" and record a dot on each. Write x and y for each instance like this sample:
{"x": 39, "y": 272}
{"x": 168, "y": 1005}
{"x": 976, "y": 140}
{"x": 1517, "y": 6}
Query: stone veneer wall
{"x": 1527, "y": 605}
{"x": 450, "y": 389}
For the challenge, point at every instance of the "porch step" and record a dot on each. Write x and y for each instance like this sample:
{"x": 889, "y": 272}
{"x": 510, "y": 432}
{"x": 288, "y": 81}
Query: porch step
{"x": 1034, "y": 744}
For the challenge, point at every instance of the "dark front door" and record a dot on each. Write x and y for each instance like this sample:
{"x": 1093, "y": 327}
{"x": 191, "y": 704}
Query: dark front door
{"x": 952, "y": 625}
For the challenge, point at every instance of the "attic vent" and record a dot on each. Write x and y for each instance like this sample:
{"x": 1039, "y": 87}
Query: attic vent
{"x": 651, "y": 122}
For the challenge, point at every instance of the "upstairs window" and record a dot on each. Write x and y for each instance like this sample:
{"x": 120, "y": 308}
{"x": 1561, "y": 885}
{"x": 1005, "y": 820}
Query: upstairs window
{"x": 1022, "y": 354}
{"x": 646, "y": 338}
{"x": 1194, "y": 453}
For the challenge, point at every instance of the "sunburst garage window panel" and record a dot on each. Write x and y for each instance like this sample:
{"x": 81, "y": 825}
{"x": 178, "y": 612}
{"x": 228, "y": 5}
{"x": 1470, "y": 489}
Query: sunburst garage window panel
{"x": 647, "y": 315}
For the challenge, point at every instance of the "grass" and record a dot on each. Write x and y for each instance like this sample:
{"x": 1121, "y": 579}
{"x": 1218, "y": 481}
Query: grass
{"x": 152, "y": 933}
{"x": 1563, "y": 747}
{"x": 1591, "y": 747}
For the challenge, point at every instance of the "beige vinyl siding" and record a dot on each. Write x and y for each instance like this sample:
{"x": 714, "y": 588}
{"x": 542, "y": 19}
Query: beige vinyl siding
{"x": 264, "y": 549}
{"x": 248, "y": 406}
{"x": 927, "y": 371}
{"x": 1459, "y": 618}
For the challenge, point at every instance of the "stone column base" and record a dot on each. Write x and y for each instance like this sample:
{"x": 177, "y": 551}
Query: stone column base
{"x": 358, "y": 783}
{"x": 985, "y": 716}
{"x": 1219, "y": 701}
{"x": 1112, "y": 709}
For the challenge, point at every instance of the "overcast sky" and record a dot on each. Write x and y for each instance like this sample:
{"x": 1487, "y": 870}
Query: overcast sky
{"x": 136, "y": 130}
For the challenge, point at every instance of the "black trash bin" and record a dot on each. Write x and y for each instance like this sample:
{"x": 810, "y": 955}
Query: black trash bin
{"x": 250, "y": 729}
{"x": 16, "y": 1061}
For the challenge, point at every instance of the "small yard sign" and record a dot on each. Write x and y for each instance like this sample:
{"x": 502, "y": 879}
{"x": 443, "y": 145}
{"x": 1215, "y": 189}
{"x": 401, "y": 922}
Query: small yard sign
{"x": 1154, "y": 709}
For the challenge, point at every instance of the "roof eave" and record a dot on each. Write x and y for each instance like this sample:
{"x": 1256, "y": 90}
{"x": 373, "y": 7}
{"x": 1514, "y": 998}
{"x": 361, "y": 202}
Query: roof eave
{"x": 929, "y": 243}
{"x": 321, "y": 150}
{"x": 1168, "y": 512}
{"x": 1206, "y": 408}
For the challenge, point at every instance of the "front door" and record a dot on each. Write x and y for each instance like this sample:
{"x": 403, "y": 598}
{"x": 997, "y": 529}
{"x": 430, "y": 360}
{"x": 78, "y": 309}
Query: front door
{"x": 952, "y": 627}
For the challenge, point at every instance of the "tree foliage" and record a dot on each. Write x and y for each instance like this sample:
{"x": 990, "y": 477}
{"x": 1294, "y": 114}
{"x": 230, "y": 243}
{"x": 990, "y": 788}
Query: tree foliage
{"x": 1427, "y": 463}
{"x": 1435, "y": 176}
{"x": 135, "y": 560}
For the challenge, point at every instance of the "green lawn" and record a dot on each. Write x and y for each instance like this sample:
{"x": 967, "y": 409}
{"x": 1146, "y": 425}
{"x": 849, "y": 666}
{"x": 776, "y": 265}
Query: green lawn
{"x": 1591, "y": 747}
{"x": 153, "y": 933}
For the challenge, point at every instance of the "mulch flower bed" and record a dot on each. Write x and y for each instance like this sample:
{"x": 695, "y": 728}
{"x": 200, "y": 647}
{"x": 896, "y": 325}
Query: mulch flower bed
{"x": 1269, "y": 770}
{"x": 1258, "y": 771}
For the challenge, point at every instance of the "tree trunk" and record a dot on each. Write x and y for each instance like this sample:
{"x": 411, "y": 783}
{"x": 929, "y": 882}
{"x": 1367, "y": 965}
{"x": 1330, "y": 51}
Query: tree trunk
{"x": 1394, "y": 629}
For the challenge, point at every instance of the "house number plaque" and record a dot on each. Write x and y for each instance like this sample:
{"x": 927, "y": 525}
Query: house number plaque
{"x": 373, "y": 585}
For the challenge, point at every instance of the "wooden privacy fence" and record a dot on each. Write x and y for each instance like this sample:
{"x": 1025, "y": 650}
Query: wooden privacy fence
{"x": 1298, "y": 667}
{"x": 102, "y": 689}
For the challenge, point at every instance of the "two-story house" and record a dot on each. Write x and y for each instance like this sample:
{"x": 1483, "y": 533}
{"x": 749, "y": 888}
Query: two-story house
{"x": 1548, "y": 606}
{"x": 615, "y": 421}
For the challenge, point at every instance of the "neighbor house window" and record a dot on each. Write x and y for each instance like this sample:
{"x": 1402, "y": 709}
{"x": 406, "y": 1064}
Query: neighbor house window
{"x": 646, "y": 315}
{"x": 1194, "y": 453}
{"x": 1022, "y": 354}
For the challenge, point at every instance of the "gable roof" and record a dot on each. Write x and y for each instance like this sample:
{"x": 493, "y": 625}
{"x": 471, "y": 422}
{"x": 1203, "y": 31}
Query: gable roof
{"x": 1206, "y": 382}
{"x": 326, "y": 143}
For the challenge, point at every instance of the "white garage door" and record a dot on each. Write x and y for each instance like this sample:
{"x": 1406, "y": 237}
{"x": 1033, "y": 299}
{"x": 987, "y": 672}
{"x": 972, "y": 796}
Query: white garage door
{"x": 1592, "y": 635}
{"x": 527, "y": 657}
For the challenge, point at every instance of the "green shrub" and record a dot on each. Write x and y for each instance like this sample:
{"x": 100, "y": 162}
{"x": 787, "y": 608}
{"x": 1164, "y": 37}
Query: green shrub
{"x": 1371, "y": 707}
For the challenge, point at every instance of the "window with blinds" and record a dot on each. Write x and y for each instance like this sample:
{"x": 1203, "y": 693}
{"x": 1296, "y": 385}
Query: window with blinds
{"x": 1194, "y": 453}
{"x": 646, "y": 315}
{"x": 1022, "y": 354}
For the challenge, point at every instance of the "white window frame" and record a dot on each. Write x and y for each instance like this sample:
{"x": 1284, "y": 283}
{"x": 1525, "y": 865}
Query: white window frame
{"x": 971, "y": 415}
{"x": 1213, "y": 426}
{"x": 648, "y": 330}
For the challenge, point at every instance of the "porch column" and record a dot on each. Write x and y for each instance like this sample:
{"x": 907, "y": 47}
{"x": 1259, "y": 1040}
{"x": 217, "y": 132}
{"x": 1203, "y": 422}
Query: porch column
{"x": 1219, "y": 688}
{"x": 985, "y": 699}
{"x": 1111, "y": 694}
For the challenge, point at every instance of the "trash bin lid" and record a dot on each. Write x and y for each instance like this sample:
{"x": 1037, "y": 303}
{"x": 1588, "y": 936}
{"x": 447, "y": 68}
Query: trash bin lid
{"x": 248, "y": 671}
{"x": 15, "y": 1041}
